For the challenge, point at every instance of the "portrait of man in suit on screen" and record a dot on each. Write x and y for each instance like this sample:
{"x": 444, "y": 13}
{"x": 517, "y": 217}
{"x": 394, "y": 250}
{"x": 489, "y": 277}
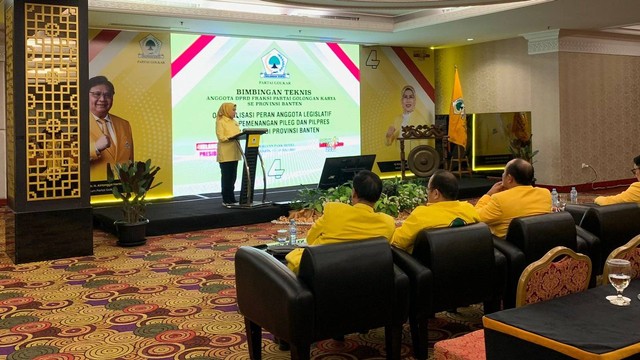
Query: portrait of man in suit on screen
{"x": 111, "y": 140}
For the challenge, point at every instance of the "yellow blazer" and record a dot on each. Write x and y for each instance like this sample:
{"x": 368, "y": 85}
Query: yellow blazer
{"x": 632, "y": 194}
{"x": 227, "y": 149}
{"x": 436, "y": 215}
{"x": 343, "y": 222}
{"x": 122, "y": 151}
{"x": 499, "y": 209}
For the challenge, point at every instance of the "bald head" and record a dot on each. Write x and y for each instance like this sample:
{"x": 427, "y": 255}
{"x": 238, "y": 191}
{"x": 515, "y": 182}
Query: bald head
{"x": 446, "y": 183}
{"x": 520, "y": 170}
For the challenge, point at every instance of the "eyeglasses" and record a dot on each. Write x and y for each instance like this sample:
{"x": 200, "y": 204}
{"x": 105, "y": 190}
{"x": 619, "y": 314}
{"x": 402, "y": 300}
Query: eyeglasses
{"x": 98, "y": 94}
{"x": 633, "y": 171}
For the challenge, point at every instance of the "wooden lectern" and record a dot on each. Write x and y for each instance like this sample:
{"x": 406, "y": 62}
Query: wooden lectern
{"x": 250, "y": 155}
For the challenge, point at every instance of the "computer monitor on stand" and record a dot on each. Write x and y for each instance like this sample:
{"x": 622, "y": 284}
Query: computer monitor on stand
{"x": 339, "y": 170}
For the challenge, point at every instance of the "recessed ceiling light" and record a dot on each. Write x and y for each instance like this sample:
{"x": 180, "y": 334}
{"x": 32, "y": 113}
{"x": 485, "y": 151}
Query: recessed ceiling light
{"x": 470, "y": 39}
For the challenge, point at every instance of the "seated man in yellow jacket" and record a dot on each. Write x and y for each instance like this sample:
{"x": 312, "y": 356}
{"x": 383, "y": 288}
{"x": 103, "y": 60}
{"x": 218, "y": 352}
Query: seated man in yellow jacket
{"x": 442, "y": 210}
{"x": 632, "y": 194}
{"x": 343, "y": 222}
{"x": 512, "y": 197}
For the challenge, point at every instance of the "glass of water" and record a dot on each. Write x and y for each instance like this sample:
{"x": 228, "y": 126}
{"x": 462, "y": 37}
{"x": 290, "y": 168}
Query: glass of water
{"x": 619, "y": 271}
{"x": 282, "y": 235}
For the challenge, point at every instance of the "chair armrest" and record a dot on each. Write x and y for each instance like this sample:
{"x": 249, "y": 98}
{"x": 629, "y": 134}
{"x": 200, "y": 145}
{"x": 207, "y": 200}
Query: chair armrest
{"x": 270, "y": 295}
{"x": 516, "y": 262}
{"x": 421, "y": 280}
{"x": 577, "y": 211}
{"x": 402, "y": 287}
{"x": 594, "y": 251}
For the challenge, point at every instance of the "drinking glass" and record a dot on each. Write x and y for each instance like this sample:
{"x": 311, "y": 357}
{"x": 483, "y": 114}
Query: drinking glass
{"x": 282, "y": 235}
{"x": 562, "y": 203}
{"x": 619, "y": 271}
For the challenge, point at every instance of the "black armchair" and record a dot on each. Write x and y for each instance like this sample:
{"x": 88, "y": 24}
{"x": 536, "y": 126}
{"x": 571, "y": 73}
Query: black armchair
{"x": 531, "y": 237}
{"x": 341, "y": 289}
{"x": 449, "y": 268}
{"x": 614, "y": 225}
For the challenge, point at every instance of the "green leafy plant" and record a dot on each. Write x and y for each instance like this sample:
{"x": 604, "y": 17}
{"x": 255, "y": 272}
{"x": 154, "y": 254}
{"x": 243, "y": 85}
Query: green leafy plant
{"x": 314, "y": 199}
{"x": 523, "y": 149}
{"x": 131, "y": 181}
{"x": 397, "y": 196}
{"x": 389, "y": 205}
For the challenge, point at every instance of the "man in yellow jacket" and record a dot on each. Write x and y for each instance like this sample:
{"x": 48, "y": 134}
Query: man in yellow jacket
{"x": 512, "y": 197}
{"x": 343, "y": 222}
{"x": 441, "y": 210}
{"x": 632, "y": 194}
{"x": 111, "y": 139}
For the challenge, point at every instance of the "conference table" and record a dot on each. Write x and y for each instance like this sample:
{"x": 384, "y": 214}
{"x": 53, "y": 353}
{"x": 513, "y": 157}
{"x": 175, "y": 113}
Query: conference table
{"x": 577, "y": 326}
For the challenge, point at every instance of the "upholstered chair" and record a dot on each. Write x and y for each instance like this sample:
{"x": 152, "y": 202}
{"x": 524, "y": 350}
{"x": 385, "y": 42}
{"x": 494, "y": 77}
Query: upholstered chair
{"x": 341, "y": 289}
{"x": 449, "y": 268}
{"x": 560, "y": 272}
{"x": 614, "y": 225}
{"x": 629, "y": 251}
{"x": 530, "y": 237}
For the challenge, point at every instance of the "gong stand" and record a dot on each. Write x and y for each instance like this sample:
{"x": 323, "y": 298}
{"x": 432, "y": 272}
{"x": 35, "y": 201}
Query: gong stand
{"x": 421, "y": 132}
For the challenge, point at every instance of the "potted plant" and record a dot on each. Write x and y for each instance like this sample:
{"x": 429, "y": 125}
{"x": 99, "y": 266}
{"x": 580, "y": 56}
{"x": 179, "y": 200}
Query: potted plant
{"x": 131, "y": 181}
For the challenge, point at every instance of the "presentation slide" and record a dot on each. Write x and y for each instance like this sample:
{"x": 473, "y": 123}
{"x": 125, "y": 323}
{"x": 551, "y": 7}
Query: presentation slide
{"x": 307, "y": 95}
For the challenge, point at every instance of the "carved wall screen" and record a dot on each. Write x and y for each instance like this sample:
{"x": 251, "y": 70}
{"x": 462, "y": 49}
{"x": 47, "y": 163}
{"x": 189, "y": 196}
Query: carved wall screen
{"x": 9, "y": 96}
{"x": 52, "y": 102}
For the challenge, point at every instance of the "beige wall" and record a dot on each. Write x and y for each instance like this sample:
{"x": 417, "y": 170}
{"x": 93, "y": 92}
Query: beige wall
{"x": 600, "y": 111}
{"x": 583, "y": 105}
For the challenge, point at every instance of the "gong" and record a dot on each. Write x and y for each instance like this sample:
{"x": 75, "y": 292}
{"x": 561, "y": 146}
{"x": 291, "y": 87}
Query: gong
{"x": 423, "y": 160}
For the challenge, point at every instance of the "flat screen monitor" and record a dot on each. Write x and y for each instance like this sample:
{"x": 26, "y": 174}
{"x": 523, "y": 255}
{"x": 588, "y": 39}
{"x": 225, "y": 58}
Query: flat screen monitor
{"x": 339, "y": 170}
{"x": 498, "y": 137}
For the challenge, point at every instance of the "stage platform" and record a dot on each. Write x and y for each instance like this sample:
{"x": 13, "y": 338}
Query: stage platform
{"x": 205, "y": 211}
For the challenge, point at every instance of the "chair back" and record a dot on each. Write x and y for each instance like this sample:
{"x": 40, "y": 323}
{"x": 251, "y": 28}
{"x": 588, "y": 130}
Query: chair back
{"x": 352, "y": 285}
{"x": 462, "y": 262}
{"x": 614, "y": 224}
{"x": 560, "y": 272}
{"x": 629, "y": 251}
{"x": 537, "y": 234}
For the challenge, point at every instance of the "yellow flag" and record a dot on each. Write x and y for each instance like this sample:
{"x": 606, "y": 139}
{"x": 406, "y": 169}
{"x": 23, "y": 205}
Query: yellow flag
{"x": 457, "y": 115}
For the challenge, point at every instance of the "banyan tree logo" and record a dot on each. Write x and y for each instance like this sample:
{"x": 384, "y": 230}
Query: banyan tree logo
{"x": 458, "y": 106}
{"x": 275, "y": 65}
{"x": 150, "y": 47}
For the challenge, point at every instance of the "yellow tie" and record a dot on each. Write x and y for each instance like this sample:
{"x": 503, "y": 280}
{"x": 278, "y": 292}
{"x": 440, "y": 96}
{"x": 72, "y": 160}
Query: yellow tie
{"x": 104, "y": 127}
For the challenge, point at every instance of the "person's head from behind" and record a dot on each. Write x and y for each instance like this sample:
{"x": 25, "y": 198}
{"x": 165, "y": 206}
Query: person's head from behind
{"x": 367, "y": 187}
{"x": 408, "y": 99}
{"x": 517, "y": 172}
{"x": 101, "y": 93}
{"x": 636, "y": 167}
{"x": 442, "y": 186}
{"x": 227, "y": 109}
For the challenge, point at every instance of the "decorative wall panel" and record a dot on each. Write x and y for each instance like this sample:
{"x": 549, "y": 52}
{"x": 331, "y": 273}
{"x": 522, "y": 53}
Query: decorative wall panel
{"x": 9, "y": 96}
{"x": 52, "y": 102}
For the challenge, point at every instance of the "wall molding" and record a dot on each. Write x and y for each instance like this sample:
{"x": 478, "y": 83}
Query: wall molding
{"x": 604, "y": 43}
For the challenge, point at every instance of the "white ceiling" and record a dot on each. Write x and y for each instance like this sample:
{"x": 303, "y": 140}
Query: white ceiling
{"x": 410, "y": 23}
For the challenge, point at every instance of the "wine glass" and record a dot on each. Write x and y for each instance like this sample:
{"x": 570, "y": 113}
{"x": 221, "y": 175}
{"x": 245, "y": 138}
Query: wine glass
{"x": 619, "y": 271}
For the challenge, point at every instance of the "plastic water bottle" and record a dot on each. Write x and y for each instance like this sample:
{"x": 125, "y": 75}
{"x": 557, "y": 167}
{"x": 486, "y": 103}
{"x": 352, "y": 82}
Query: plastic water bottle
{"x": 573, "y": 194}
{"x": 293, "y": 232}
{"x": 554, "y": 198}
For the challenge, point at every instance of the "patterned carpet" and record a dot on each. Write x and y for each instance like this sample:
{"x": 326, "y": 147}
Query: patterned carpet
{"x": 173, "y": 298}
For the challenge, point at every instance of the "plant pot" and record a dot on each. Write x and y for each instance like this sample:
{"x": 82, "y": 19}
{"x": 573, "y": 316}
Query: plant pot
{"x": 131, "y": 234}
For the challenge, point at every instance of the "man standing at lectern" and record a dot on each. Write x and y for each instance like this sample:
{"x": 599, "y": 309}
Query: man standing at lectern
{"x": 228, "y": 150}
{"x": 110, "y": 135}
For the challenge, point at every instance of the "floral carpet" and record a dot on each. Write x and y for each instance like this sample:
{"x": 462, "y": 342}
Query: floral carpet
{"x": 173, "y": 298}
